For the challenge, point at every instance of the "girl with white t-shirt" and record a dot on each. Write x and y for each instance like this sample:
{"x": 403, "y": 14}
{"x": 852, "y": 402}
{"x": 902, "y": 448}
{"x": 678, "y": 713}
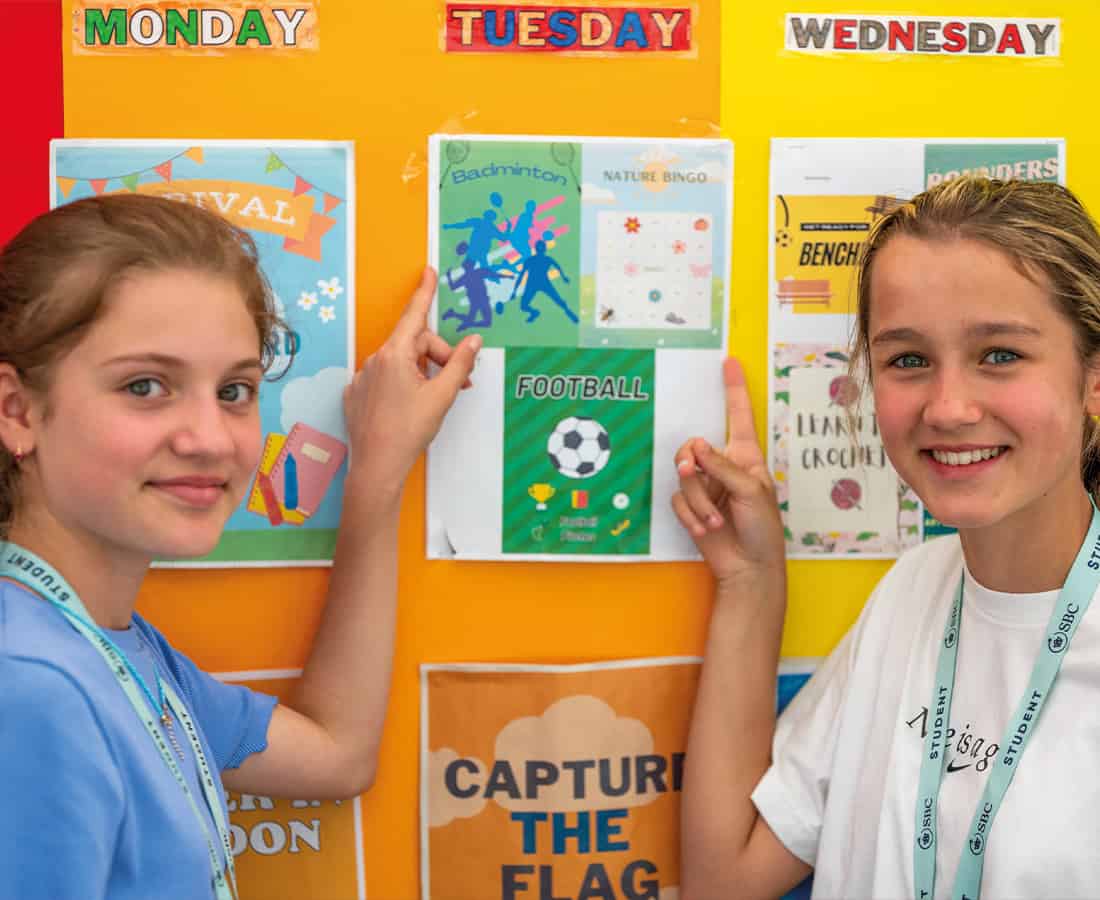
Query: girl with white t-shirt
{"x": 946, "y": 747}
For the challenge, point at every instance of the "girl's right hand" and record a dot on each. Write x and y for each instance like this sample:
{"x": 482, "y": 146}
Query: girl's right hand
{"x": 727, "y": 499}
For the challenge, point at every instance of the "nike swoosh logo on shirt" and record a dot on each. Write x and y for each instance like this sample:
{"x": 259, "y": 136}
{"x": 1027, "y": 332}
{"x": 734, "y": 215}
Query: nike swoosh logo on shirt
{"x": 951, "y": 767}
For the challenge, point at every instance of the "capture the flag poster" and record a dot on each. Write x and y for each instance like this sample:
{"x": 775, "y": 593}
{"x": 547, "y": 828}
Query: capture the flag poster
{"x": 596, "y": 270}
{"x": 839, "y": 494}
{"x": 296, "y": 200}
{"x": 287, "y": 849}
{"x": 553, "y": 781}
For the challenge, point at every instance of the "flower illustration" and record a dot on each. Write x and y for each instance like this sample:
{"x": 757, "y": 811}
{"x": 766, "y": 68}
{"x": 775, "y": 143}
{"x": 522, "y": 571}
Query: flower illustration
{"x": 654, "y": 296}
{"x": 632, "y": 225}
{"x": 679, "y": 247}
{"x": 307, "y": 300}
{"x": 327, "y": 313}
{"x": 701, "y": 225}
{"x": 331, "y": 288}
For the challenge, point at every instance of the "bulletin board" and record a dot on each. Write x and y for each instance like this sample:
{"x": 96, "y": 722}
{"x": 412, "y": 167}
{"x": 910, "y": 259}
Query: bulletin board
{"x": 380, "y": 78}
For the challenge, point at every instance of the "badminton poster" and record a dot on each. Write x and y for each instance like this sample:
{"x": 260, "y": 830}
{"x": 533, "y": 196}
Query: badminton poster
{"x": 597, "y": 272}
{"x": 838, "y": 493}
{"x": 295, "y": 198}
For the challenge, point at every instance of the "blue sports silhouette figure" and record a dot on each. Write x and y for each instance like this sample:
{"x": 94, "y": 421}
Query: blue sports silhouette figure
{"x": 474, "y": 279}
{"x": 483, "y": 231}
{"x": 519, "y": 235}
{"x": 535, "y": 272}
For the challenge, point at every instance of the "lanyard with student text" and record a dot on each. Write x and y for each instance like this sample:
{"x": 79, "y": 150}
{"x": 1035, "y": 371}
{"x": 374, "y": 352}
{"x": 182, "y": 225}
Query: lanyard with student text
{"x": 33, "y": 573}
{"x": 1073, "y": 600}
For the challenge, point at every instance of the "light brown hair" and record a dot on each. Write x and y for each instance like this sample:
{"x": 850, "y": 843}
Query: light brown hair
{"x": 57, "y": 273}
{"x": 1042, "y": 227}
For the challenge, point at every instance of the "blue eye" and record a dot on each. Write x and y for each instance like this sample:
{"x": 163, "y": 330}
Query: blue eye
{"x": 146, "y": 387}
{"x": 908, "y": 361}
{"x": 1000, "y": 357}
{"x": 238, "y": 392}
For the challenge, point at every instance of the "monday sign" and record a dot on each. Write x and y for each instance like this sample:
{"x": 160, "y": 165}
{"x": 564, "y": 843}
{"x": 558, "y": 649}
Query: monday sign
{"x": 211, "y": 27}
{"x": 950, "y": 35}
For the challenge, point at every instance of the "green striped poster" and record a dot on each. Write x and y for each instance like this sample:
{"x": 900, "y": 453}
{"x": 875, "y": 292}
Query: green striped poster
{"x": 578, "y": 451}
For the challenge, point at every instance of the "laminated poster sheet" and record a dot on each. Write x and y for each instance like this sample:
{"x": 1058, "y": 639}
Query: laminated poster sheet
{"x": 839, "y": 496}
{"x": 597, "y": 272}
{"x": 553, "y": 781}
{"x": 293, "y": 848}
{"x": 296, "y": 200}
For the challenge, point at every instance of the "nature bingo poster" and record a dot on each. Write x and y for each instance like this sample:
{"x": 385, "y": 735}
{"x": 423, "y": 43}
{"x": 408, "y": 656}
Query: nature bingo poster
{"x": 296, "y": 200}
{"x": 839, "y": 494}
{"x": 596, "y": 270}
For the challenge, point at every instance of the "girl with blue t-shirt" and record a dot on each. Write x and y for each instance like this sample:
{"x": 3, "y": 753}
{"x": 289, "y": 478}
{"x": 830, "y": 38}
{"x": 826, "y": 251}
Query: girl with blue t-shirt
{"x": 134, "y": 335}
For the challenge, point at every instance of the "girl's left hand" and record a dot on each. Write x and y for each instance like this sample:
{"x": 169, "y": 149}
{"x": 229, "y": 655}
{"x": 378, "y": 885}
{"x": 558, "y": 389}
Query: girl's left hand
{"x": 393, "y": 408}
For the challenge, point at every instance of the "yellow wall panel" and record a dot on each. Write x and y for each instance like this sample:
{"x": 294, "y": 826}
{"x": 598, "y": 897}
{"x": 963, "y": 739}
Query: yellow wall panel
{"x": 770, "y": 92}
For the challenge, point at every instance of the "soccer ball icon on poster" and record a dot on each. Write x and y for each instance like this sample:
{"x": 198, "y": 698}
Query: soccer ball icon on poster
{"x": 579, "y": 447}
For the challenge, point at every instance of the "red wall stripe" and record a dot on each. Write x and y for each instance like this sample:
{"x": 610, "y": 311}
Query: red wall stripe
{"x": 30, "y": 77}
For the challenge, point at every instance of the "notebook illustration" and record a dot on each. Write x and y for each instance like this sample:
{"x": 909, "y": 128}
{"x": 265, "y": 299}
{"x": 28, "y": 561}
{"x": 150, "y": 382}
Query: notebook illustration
{"x": 263, "y": 500}
{"x": 304, "y": 469}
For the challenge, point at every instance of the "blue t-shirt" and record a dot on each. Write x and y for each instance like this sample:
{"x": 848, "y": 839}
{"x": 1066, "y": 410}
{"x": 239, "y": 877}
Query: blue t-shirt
{"x": 90, "y": 811}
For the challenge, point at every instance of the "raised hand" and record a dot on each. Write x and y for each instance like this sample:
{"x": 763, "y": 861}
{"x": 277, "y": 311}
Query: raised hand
{"x": 727, "y": 498}
{"x": 393, "y": 407}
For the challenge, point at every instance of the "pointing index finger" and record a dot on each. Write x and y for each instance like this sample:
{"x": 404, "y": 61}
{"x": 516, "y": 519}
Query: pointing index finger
{"x": 415, "y": 317}
{"x": 741, "y": 447}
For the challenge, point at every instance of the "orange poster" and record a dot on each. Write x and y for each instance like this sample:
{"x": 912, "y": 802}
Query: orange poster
{"x": 553, "y": 781}
{"x": 288, "y": 849}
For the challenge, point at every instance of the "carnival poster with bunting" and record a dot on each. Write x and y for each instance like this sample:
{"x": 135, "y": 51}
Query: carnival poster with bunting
{"x": 296, "y": 200}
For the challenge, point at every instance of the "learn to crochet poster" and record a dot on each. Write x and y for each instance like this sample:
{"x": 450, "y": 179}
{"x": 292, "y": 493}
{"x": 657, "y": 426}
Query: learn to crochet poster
{"x": 296, "y": 200}
{"x": 839, "y": 494}
{"x": 596, "y": 270}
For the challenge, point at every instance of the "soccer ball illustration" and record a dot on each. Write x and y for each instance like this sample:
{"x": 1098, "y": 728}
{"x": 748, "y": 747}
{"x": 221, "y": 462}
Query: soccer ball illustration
{"x": 579, "y": 447}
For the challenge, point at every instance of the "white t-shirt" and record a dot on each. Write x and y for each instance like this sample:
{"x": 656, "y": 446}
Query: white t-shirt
{"x": 841, "y": 793}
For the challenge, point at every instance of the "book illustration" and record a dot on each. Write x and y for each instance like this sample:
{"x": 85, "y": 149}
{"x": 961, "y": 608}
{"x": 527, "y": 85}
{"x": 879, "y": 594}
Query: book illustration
{"x": 306, "y": 465}
{"x": 263, "y": 500}
{"x": 294, "y": 475}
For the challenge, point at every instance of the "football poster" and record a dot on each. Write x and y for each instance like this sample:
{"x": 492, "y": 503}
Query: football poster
{"x": 596, "y": 271}
{"x": 839, "y": 495}
{"x": 578, "y": 450}
{"x": 296, "y": 201}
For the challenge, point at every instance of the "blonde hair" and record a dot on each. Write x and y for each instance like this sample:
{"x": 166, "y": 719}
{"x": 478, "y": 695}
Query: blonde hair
{"x": 1042, "y": 227}
{"x": 56, "y": 274}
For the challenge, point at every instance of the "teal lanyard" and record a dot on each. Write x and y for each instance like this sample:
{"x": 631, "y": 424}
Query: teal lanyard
{"x": 37, "y": 575}
{"x": 1073, "y": 601}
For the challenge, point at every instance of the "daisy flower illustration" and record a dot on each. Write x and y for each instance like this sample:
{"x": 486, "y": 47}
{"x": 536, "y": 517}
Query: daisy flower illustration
{"x": 331, "y": 288}
{"x": 307, "y": 300}
{"x": 327, "y": 313}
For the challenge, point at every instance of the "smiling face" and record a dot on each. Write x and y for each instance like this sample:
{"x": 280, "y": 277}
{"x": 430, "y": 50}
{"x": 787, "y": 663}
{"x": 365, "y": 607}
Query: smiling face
{"x": 979, "y": 390}
{"x": 149, "y": 431}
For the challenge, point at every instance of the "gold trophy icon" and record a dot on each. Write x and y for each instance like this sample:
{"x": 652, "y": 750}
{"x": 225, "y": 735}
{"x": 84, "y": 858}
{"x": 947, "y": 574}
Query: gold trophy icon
{"x": 540, "y": 493}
